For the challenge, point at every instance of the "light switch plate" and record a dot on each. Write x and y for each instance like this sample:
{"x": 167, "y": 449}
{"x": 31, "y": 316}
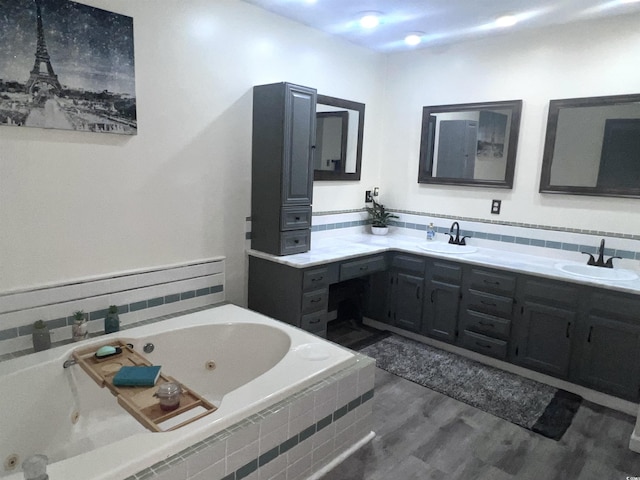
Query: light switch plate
{"x": 495, "y": 206}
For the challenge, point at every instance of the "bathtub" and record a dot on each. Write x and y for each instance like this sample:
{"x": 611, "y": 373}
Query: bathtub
{"x": 62, "y": 413}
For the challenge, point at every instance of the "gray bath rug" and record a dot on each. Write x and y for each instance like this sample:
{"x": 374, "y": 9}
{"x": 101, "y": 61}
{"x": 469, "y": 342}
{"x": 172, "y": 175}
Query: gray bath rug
{"x": 529, "y": 404}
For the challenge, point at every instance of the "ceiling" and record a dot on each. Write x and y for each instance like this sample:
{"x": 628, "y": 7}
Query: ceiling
{"x": 439, "y": 22}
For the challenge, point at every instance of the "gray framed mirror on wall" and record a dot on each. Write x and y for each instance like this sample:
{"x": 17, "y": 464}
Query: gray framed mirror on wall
{"x": 339, "y": 134}
{"x": 592, "y": 147}
{"x": 471, "y": 144}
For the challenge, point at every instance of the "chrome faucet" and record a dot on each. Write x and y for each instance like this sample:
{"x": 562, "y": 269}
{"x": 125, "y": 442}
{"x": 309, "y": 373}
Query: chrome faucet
{"x": 457, "y": 240}
{"x": 600, "y": 262}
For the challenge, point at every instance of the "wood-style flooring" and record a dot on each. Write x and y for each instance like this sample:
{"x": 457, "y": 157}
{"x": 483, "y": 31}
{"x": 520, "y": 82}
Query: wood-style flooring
{"x": 424, "y": 435}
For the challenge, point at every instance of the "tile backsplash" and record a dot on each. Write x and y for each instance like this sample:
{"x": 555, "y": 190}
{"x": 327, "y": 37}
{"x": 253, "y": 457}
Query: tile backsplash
{"x": 139, "y": 295}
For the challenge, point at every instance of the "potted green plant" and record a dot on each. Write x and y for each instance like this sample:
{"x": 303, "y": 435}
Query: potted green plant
{"x": 79, "y": 330}
{"x": 41, "y": 336}
{"x": 379, "y": 218}
{"x": 112, "y": 320}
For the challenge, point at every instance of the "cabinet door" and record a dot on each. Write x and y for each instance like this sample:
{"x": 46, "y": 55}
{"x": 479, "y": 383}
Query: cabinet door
{"x": 610, "y": 359}
{"x": 300, "y": 132}
{"x": 544, "y": 338}
{"x": 441, "y": 310}
{"x": 408, "y": 301}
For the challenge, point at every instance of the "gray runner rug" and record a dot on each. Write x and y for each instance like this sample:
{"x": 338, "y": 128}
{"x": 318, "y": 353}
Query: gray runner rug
{"x": 535, "y": 406}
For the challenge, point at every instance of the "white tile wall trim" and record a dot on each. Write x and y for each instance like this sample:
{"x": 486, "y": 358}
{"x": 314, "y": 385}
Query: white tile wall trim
{"x": 139, "y": 294}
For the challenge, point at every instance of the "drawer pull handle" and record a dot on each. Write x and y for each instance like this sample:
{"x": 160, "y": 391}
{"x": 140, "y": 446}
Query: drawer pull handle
{"x": 418, "y": 292}
{"x": 590, "y": 332}
{"x": 296, "y": 241}
{"x": 491, "y": 282}
{"x": 568, "y": 328}
{"x": 316, "y": 300}
{"x": 297, "y": 219}
{"x": 364, "y": 268}
{"x": 483, "y": 345}
{"x": 317, "y": 279}
{"x": 317, "y": 320}
{"x": 486, "y": 324}
{"x": 488, "y": 304}
{"x": 432, "y": 294}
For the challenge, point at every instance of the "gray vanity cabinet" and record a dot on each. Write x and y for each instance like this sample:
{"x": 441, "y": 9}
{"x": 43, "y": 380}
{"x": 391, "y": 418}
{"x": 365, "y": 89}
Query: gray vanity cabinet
{"x": 442, "y": 300}
{"x": 545, "y": 325}
{"x": 609, "y": 345}
{"x": 283, "y": 139}
{"x": 405, "y": 294}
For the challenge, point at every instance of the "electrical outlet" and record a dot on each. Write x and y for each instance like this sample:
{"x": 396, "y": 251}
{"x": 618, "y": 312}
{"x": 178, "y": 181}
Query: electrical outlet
{"x": 367, "y": 197}
{"x": 495, "y": 206}
{"x": 376, "y": 191}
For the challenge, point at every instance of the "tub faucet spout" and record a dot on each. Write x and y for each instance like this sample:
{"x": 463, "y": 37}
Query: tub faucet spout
{"x": 68, "y": 363}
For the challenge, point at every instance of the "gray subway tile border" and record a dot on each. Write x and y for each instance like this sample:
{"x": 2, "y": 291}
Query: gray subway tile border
{"x": 24, "y": 330}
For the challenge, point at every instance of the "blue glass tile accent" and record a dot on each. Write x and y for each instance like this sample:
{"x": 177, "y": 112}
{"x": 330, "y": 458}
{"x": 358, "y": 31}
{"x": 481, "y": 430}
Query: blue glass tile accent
{"x": 175, "y": 297}
{"x": 637, "y": 255}
{"x": 413, "y": 226}
{"x": 367, "y": 396}
{"x": 480, "y": 235}
{"x": 57, "y": 323}
{"x": 322, "y": 227}
{"x": 625, "y": 254}
{"x": 307, "y": 432}
{"x": 202, "y": 291}
{"x": 523, "y": 241}
{"x": 421, "y": 227}
{"x": 537, "y": 243}
{"x": 98, "y": 314}
{"x": 247, "y": 469}
{"x": 25, "y": 330}
{"x": 231, "y": 476}
{"x": 331, "y": 226}
{"x": 138, "y": 306}
{"x": 588, "y": 249}
{"x": 493, "y": 236}
{"x": 217, "y": 288}
{"x": 154, "y": 302}
{"x": 572, "y": 247}
{"x": 123, "y": 308}
{"x": 550, "y": 244}
{"x": 507, "y": 238}
{"x": 354, "y": 223}
{"x": 187, "y": 295}
{"x": 609, "y": 252}
{"x": 288, "y": 444}
{"x": 247, "y": 236}
{"x": 341, "y": 412}
{"x": 354, "y": 403}
{"x": 268, "y": 456}
{"x": 324, "y": 422}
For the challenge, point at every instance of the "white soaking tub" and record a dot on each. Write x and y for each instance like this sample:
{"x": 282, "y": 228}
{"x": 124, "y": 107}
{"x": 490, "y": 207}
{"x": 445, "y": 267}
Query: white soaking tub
{"x": 62, "y": 413}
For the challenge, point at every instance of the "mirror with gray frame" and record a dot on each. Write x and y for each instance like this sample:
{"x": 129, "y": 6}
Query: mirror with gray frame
{"x": 471, "y": 144}
{"x": 339, "y": 133}
{"x": 592, "y": 147}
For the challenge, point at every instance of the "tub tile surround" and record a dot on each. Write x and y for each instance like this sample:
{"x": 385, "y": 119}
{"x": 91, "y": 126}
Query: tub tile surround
{"x": 294, "y": 439}
{"x": 539, "y": 240}
{"x": 140, "y": 295}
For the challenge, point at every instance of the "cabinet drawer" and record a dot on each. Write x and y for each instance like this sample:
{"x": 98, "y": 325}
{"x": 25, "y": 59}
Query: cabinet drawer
{"x": 550, "y": 292}
{"x": 315, "y": 301}
{"x": 314, "y": 279}
{"x": 446, "y": 272}
{"x": 295, "y": 241}
{"x": 483, "y": 344}
{"x": 491, "y": 304}
{"x": 405, "y": 262}
{"x": 486, "y": 324}
{"x": 492, "y": 282}
{"x": 295, "y": 218}
{"x": 314, "y": 322}
{"x": 360, "y": 268}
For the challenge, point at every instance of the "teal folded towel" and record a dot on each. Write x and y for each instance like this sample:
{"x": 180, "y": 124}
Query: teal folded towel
{"x": 137, "y": 376}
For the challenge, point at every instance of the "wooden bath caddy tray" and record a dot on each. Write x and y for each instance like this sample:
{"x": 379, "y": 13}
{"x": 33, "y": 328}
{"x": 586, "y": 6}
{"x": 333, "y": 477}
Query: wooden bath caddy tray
{"x": 139, "y": 401}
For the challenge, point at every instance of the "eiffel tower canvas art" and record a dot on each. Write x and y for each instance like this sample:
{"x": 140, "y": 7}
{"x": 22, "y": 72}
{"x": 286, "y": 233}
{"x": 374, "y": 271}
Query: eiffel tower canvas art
{"x": 83, "y": 74}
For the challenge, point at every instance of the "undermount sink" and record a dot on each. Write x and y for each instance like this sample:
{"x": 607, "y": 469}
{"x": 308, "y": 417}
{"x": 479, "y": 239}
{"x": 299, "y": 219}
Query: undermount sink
{"x": 597, "y": 273}
{"x": 442, "y": 247}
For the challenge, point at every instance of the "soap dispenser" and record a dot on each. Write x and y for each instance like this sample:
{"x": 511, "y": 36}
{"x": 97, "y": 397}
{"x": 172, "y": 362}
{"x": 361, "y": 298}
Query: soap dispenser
{"x": 431, "y": 232}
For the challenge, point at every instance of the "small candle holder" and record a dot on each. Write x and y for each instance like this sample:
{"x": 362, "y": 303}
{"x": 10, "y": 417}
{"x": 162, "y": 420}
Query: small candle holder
{"x": 169, "y": 396}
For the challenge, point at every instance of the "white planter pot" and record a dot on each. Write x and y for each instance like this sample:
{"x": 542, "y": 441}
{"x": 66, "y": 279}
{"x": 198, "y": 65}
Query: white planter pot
{"x": 379, "y": 230}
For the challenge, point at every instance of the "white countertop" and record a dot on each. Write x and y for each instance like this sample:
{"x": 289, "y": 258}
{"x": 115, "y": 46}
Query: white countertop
{"x": 328, "y": 250}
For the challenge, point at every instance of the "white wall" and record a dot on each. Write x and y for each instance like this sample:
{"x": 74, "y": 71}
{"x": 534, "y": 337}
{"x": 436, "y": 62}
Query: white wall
{"x": 80, "y": 204}
{"x": 589, "y": 59}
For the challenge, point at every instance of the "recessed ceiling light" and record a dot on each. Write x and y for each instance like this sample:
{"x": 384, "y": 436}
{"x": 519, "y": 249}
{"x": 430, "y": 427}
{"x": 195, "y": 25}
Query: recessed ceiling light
{"x": 413, "y": 38}
{"x": 370, "y": 19}
{"x": 506, "y": 21}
